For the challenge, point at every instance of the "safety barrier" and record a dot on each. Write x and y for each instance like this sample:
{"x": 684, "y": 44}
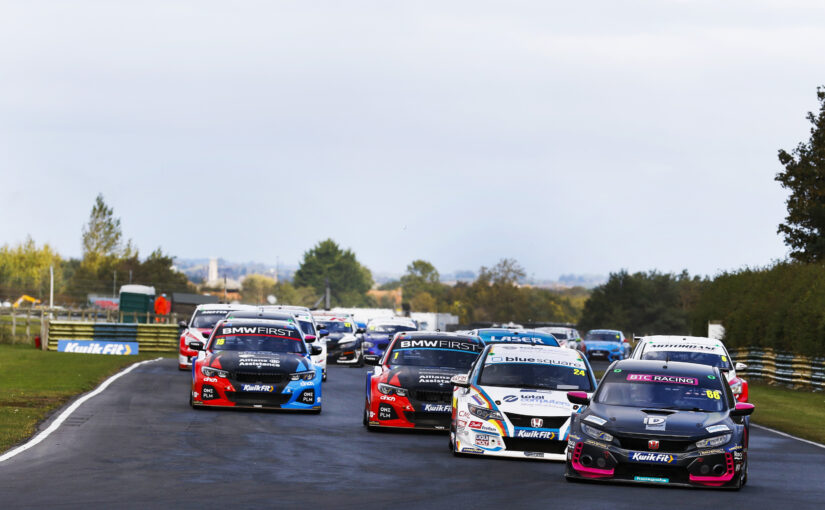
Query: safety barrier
{"x": 150, "y": 337}
{"x": 782, "y": 367}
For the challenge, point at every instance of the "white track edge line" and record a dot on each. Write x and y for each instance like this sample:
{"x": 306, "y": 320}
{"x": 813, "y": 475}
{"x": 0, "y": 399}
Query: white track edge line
{"x": 814, "y": 443}
{"x": 72, "y": 408}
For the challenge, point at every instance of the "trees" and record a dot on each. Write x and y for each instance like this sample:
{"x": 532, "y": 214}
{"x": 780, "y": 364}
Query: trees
{"x": 24, "y": 269}
{"x": 102, "y": 235}
{"x": 256, "y": 287}
{"x": 804, "y": 177}
{"x": 349, "y": 281}
{"x": 421, "y": 277}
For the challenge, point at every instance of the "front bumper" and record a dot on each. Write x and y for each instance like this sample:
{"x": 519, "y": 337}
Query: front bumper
{"x": 394, "y": 411}
{"x": 220, "y": 392}
{"x": 604, "y": 354}
{"x": 485, "y": 439}
{"x": 589, "y": 459}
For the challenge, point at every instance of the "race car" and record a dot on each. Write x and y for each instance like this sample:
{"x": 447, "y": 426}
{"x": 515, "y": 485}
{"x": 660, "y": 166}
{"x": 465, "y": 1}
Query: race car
{"x": 289, "y": 313}
{"x": 200, "y": 327}
{"x": 655, "y": 422}
{"x": 410, "y": 387}
{"x": 514, "y": 336}
{"x": 379, "y": 333}
{"x": 344, "y": 339}
{"x": 608, "y": 344}
{"x": 258, "y": 363}
{"x": 514, "y": 402}
{"x": 567, "y": 337}
{"x": 694, "y": 349}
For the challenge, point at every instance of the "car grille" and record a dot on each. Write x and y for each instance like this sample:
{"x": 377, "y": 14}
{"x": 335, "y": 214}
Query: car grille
{"x": 264, "y": 399}
{"x": 258, "y": 377}
{"x": 524, "y": 420}
{"x": 665, "y": 445}
{"x": 433, "y": 397}
{"x": 520, "y": 444}
{"x": 631, "y": 470}
{"x": 428, "y": 419}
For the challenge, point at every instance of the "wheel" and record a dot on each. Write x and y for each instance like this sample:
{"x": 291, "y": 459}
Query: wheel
{"x": 360, "y": 362}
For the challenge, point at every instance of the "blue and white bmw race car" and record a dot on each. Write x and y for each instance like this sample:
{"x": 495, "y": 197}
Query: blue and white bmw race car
{"x": 513, "y": 403}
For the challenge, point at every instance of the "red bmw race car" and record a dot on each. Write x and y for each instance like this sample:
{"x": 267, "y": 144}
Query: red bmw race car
{"x": 410, "y": 387}
{"x": 200, "y": 327}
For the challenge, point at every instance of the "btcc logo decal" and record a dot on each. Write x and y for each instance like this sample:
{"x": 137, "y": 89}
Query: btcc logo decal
{"x": 656, "y": 458}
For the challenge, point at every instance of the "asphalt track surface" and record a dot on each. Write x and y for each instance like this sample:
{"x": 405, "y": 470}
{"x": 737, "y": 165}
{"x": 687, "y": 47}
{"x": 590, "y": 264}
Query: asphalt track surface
{"x": 139, "y": 445}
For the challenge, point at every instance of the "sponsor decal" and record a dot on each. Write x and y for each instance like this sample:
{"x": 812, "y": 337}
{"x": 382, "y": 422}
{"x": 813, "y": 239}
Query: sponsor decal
{"x": 475, "y": 425}
{"x": 208, "y": 393}
{"x": 595, "y": 420}
{"x": 306, "y": 383}
{"x": 544, "y": 361}
{"x": 533, "y": 454}
{"x": 592, "y": 442}
{"x": 210, "y": 379}
{"x": 538, "y": 399}
{"x": 655, "y": 422}
{"x": 535, "y": 434}
{"x": 453, "y": 345}
{"x": 574, "y": 437}
{"x": 464, "y": 414}
{"x": 670, "y": 379}
{"x": 266, "y": 388}
{"x": 388, "y": 398}
{"x": 97, "y": 347}
{"x": 462, "y": 424}
{"x": 735, "y": 448}
{"x": 510, "y": 398}
{"x": 485, "y": 440}
{"x": 737, "y": 455}
{"x": 436, "y": 408}
{"x": 434, "y": 378}
{"x": 308, "y": 396}
{"x": 257, "y": 330}
{"x": 536, "y": 423}
{"x": 717, "y": 428}
{"x": 384, "y": 412}
{"x": 716, "y": 451}
{"x": 571, "y": 444}
{"x": 472, "y": 450}
{"x": 655, "y": 458}
{"x": 651, "y": 479}
{"x": 260, "y": 362}
{"x": 653, "y": 444}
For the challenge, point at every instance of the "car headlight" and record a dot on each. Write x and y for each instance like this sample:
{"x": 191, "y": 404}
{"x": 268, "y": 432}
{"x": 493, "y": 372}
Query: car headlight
{"x": 214, "y": 372}
{"x": 306, "y": 376}
{"x": 368, "y": 345}
{"x": 713, "y": 441}
{"x": 348, "y": 343}
{"x": 596, "y": 433}
{"x": 388, "y": 389}
{"x": 736, "y": 387}
{"x": 484, "y": 413}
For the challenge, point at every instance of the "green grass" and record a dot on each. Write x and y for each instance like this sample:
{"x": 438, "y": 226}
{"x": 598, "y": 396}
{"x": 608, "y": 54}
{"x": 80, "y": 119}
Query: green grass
{"x": 796, "y": 412}
{"x": 34, "y": 383}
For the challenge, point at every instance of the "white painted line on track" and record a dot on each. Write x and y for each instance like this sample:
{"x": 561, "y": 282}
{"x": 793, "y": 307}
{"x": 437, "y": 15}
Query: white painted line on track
{"x": 775, "y": 432}
{"x": 72, "y": 408}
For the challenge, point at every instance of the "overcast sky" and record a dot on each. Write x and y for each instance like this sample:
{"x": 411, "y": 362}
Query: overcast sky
{"x": 575, "y": 137}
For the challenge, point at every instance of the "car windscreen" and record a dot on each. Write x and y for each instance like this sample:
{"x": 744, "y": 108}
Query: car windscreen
{"x": 604, "y": 337}
{"x": 307, "y": 327}
{"x": 702, "y": 358}
{"x": 257, "y": 338}
{"x": 662, "y": 391}
{"x": 336, "y": 326}
{"x": 560, "y": 335}
{"x": 420, "y": 352}
{"x": 389, "y": 328}
{"x": 206, "y": 319}
{"x": 536, "y": 376}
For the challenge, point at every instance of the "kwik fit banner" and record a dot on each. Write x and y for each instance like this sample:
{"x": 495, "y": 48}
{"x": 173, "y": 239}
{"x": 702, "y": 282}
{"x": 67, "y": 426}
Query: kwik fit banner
{"x": 97, "y": 347}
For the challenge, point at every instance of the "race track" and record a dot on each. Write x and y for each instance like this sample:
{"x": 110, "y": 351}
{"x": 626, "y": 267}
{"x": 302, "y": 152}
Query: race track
{"x": 139, "y": 444}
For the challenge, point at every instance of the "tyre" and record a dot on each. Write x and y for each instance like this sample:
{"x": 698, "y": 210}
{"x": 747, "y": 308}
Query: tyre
{"x": 324, "y": 377}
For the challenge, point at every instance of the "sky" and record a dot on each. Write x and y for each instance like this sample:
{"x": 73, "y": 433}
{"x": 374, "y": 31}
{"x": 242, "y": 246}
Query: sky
{"x": 574, "y": 137}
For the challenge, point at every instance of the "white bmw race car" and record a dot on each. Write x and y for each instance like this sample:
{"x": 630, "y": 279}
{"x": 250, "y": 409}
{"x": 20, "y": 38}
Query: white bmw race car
{"x": 513, "y": 403}
{"x": 200, "y": 327}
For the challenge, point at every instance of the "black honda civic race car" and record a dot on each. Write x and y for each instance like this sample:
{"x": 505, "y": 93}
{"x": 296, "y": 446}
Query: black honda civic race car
{"x": 657, "y": 422}
{"x": 411, "y": 388}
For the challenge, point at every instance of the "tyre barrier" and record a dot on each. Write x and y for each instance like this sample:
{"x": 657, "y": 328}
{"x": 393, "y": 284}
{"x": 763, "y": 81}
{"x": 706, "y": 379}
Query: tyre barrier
{"x": 782, "y": 367}
{"x": 150, "y": 337}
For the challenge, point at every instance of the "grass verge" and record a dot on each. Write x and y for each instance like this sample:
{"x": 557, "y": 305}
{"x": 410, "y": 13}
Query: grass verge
{"x": 34, "y": 383}
{"x": 796, "y": 412}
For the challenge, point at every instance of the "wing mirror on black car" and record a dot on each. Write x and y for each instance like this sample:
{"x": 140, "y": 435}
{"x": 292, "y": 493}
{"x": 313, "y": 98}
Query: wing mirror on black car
{"x": 322, "y": 333}
{"x": 309, "y": 338}
{"x": 183, "y": 324}
{"x": 742, "y": 409}
{"x": 315, "y": 349}
{"x": 578, "y": 397}
{"x": 460, "y": 380}
{"x": 196, "y": 345}
{"x": 372, "y": 359}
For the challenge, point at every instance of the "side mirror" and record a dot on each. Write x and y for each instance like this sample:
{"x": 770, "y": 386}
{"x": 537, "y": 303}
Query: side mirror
{"x": 360, "y": 331}
{"x": 740, "y": 366}
{"x": 315, "y": 349}
{"x": 183, "y": 324}
{"x": 742, "y": 409}
{"x": 372, "y": 359}
{"x": 196, "y": 345}
{"x": 309, "y": 338}
{"x": 578, "y": 397}
{"x": 460, "y": 380}
{"x": 323, "y": 332}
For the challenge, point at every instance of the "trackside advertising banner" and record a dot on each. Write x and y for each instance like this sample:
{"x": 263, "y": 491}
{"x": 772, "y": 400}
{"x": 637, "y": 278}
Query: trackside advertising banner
{"x": 97, "y": 347}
